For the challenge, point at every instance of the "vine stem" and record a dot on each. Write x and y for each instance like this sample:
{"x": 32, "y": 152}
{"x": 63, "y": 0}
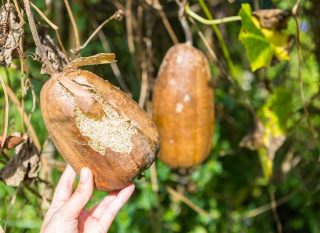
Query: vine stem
{"x": 35, "y": 36}
{"x": 223, "y": 45}
{"x": 210, "y": 22}
{"x": 6, "y": 118}
{"x": 301, "y": 82}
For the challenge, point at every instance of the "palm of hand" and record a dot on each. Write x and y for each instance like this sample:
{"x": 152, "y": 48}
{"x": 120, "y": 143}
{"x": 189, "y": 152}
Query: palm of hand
{"x": 67, "y": 213}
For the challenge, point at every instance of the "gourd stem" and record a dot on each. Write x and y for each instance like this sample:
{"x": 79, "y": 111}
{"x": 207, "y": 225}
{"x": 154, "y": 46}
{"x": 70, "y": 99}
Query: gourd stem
{"x": 184, "y": 22}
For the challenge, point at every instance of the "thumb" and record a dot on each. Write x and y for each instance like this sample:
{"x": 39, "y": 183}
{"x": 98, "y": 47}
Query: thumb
{"x": 81, "y": 196}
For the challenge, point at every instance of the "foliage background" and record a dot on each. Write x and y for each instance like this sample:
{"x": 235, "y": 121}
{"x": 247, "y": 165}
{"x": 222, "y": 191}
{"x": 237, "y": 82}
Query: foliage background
{"x": 230, "y": 188}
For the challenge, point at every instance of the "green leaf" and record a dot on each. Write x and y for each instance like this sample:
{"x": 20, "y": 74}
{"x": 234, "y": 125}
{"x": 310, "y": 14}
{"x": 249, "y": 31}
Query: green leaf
{"x": 261, "y": 44}
{"x": 280, "y": 102}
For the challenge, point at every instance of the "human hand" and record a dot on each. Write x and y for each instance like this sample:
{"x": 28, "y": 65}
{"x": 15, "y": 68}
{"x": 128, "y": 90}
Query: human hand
{"x": 67, "y": 214}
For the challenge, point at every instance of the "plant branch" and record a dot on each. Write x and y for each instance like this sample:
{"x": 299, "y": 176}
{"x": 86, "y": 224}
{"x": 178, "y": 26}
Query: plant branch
{"x": 180, "y": 197}
{"x": 53, "y": 26}
{"x": 26, "y": 120}
{"x": 205, "y": 42}
{"x": 35, "y": 36}
{"x": 116, "y": 15}
{"x": 19, "y": 12}
{"x": 128, "y": 14}
{"x": 157, "y": 5}
{"x": 74, "y": 26}
{"x": 114, "y": 65}
{"x": 6, "y": 112}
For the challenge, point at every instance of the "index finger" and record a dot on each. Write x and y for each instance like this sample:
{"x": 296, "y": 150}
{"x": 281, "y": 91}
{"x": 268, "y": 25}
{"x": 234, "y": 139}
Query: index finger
{"x": 62, "y": 193}
{"x": 108, "y": 215}
{"x": 64, "y": 188}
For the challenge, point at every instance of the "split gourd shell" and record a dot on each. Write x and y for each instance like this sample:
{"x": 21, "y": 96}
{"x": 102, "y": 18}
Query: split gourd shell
{"x": 93, "y": 124}
{"x": 183, "y": 107}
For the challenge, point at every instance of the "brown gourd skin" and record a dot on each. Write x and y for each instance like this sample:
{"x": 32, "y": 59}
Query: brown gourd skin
{"x": 93, "y": 124}
{"x": 183, "y": 107}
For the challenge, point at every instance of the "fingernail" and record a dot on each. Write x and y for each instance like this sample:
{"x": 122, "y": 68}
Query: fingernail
{"x": 84, "y": 175}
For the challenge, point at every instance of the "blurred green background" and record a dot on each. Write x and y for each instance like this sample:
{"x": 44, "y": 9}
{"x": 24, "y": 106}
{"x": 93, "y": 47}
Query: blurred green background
{"x": 234, "y": 190}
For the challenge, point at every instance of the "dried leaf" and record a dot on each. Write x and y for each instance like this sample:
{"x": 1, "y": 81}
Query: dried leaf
{"x": 267, "y": 133}
{"x": 275, "y": 19}
{"x": 97, "y": 59}
{"x": 254, "y": 139}
{"x": 12, "y": 141}
{"x": 267, "y": 137}
{"x": 11, "y": 32}
{"x": 23, "y": 165}
{"x": 56, "y": 57}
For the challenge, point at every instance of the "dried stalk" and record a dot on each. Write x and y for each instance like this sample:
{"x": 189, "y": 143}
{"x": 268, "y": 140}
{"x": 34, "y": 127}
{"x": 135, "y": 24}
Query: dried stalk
{"x": 10, "y": 207}
{"x": 35, "y": 36}
{"x": 144, "y": 84}
{"x": 157, "y": 5}
{"x": 114, "y": 65}
{"x": 53, "y": 26}
{"x": 74, "y": 26}
{"x": 19, "y": 12}
{"x": 26, "y": 120}
{"x": 180, "y": 197}
{"x": 129, "y": 26}
{"x": 6, "y": 112}
{"x": 206, "y": 43}
{"x": 114, "y": 16}
{"x": 275, "y": 212}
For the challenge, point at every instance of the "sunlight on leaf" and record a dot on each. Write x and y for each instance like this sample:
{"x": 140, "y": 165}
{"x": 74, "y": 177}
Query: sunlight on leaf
{"x": 269, "y": 132}
{"x": 261, "y": 44}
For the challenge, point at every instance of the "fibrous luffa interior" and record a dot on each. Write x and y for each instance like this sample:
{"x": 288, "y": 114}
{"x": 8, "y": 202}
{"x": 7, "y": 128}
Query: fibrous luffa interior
{"x": 114, "y": 130}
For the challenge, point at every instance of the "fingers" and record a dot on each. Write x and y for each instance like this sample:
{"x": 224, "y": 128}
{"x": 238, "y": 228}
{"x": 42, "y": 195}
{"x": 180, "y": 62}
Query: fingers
{"x": 100, "y": 207}
{"x": 81, "y": 196}
{"x": 62, "y": 193}
{"x": 113, "y": 208}
{"x": 64, "y": 188}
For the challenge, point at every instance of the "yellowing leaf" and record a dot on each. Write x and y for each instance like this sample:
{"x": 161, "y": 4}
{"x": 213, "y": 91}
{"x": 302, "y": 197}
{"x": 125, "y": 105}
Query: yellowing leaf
{"x": 279, "y": 42}
{"x": 261, "y": 44}
{"x": 266, "y": 163}
{"x": 266, "y": 138}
